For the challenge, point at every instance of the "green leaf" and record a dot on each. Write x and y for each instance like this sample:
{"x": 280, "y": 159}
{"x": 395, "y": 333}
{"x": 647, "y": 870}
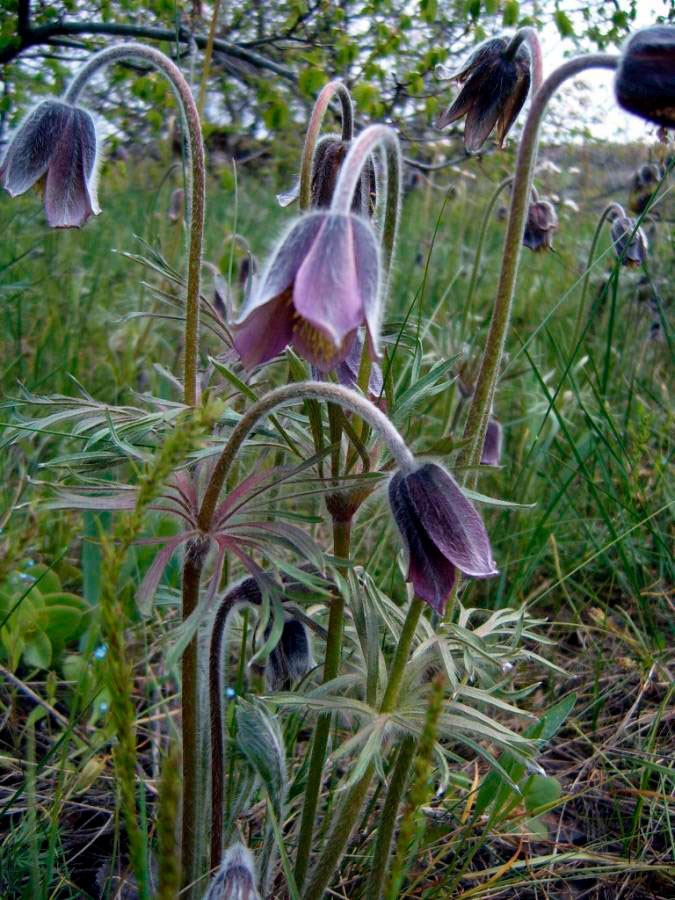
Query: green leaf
{"x": 511, "y": 13}
{"x": 541, "y": 790}
{"x": 260, "y": 740}
{"x": 311, "y": 80}
{"x": 64, "y": 623}
{"x": 38, "y": 651}
{"x": 563, "y": 23}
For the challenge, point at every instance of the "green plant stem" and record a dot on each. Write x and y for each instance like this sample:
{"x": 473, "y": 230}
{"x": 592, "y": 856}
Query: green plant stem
{"x": 293, "y": 393}
{"x": 208, "y": 55}
{"x": 196, "y": 182}
{"x": 479, "y": 249}
{"x": 387, "y": 819}
{"x": 332, "y": 89}
{"x": 587, "y": 275}
{"x": 349, "y": 810}
{"x": 481, "y": 403}
{"x": 341, "y": 549}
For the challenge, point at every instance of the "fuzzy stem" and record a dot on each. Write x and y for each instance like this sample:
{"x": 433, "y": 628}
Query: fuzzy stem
{"x": 196, "y": 182}
{"x": 341, "y": 546}
{"x": 208, "y": 54}
{"x": 530, "y": 37}
{"x": 611, "y": 207}
{"x": 479, "y": 249}
{"x": 348, "y": 813}
{"x": 192, "y": 571}
{"x": 314, "y": 129}
{"x": 292, "y": 393}
{"x": 387, "y": 818}
{"x": 474, "y": 431}
{"x": 373, "y": 138}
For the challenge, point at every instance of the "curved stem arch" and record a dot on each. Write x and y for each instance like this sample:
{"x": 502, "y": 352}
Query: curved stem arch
{"x": 474, "y": 431}
{"x": 331, "y": 90}
{"x": 196, "y": 181}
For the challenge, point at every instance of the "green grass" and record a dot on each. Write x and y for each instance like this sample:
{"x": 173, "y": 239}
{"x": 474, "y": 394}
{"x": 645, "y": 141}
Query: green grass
{"x": 588, "y": 450}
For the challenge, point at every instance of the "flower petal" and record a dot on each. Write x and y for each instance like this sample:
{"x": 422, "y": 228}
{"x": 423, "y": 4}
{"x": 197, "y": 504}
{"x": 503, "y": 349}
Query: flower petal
{"x": 450, "y": 520}
{"x": 327, "y": 291}
{"x": 283, "y": 264}
{"x": 70, "y": 194}
{"x": 432, "y": 575}
{"x": 266, "y": 331}
{"x": 28, "y": 154}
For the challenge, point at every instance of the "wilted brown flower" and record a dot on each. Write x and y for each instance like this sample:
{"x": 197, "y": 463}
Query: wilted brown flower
{"x": 496, "y": 80}
{"x": 542, "y": 221}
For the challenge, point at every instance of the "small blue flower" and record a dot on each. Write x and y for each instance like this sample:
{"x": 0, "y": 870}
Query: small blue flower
{"x": 230, "y": 693}
{"x": 101, "y": 651}
{"x": 103, "y": 706}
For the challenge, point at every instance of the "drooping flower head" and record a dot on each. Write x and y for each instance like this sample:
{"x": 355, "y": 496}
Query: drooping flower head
{"x": 55, "y": 142}
{"x": 320, "y": 285}
{"x": 542, "y": 221}
{"x": 643, "y": 185}
{"x": 492, "y": 445}
{"x": 495, "y": 82}
{"x": 630, "y": 244}
{"x": 441, "y": 530}
{"x": 323, "y": 281}
{"x": 645, "y": 79}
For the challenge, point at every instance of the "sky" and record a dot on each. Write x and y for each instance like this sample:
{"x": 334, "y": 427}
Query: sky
{"x": 615, "y": 124}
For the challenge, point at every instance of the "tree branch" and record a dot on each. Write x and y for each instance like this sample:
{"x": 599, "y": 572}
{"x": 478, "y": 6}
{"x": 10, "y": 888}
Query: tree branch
{"x": 44, "y": 34}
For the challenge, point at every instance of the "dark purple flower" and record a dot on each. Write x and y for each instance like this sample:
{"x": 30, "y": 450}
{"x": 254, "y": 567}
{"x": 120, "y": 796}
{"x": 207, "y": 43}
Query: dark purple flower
{"x": 542, "y": 221}
{"x": 291, "y": 659}
{"x": 630, "y": 245}
{"x": 645, "y": 79}
{"x": 495, "y": 86}
{"x": 320, "y": 286}
{"x": 57, "y": 142}
{"x": 441, "y": 530}
{"x": 492, "y": 445}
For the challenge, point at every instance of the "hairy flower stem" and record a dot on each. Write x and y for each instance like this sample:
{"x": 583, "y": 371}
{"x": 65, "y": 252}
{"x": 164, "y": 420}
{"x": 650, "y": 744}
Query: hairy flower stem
{"x": 348, "y": 812}
{"x": 611, "y": 207}
{"x": 387, "y": 818}
{"x": 294, "y": 393}
{"x": 479, "y": 250}
{"x": 196, "y": 182}
{"x": 331, "y": 667}
{"x": 529, "y": 36}
{"x": 374, "y": 138}
{"x": 481, "y": 403}
{"x": 332, "y": 89}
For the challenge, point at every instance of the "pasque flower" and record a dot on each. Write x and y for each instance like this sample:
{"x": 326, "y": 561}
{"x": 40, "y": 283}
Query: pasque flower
{"x": 541, "y": 222}
{"x": 645, "y": 79}
{"x": 441, "y": 530}
{"x": 496, "y": 80}
{"x": 320, "y": 285}
{"x": 55, "y": 142}
{"x": 630, "y": 244}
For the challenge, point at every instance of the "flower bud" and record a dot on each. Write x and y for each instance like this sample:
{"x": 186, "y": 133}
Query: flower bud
{"x": 292, "y": 657}
{"x": 235, "y": 879}
{"x": 55, "y": 142}
{"x": 645, "y": 79}
{"x": 630, "y": 245}
{"x": 542, "y": 221}
{"x": 492, "y": 445}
